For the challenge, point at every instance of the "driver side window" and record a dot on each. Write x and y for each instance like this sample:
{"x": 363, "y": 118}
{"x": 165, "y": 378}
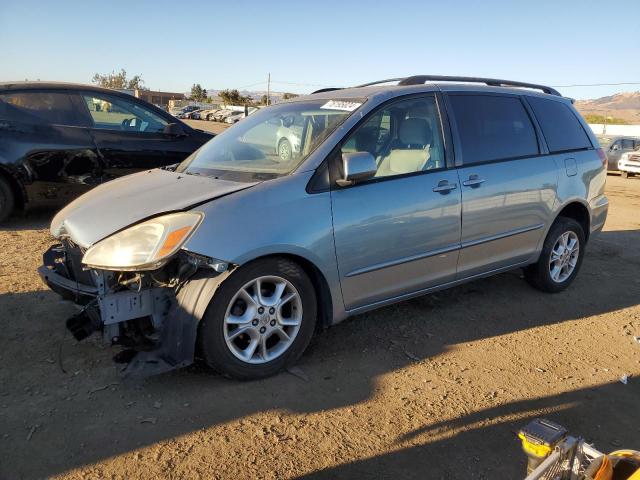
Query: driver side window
{"x": 404, "y": 137}
{"x": 114, "y": 113}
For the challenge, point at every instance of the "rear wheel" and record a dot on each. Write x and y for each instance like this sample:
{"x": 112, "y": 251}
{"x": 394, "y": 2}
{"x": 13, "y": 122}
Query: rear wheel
{"x": 561, "y": 257}
{"x": 7, "y": 200}
{"x": 260, "y": 320}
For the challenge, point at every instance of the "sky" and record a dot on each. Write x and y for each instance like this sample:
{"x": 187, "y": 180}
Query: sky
{"x": 308, "y": 45}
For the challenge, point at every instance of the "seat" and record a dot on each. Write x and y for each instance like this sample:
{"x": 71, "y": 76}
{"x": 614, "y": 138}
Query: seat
{"x": 411, "y": 151}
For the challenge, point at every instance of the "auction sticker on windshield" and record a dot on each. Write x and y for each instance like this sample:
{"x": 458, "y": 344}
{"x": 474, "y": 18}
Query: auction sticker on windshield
{"x": 341, "y": 105}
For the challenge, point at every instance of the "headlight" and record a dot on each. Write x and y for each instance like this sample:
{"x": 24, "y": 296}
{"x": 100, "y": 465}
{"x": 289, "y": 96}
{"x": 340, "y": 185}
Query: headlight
{"x": 146, "y": 246}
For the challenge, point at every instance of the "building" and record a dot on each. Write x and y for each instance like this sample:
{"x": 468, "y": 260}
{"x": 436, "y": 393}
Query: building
{"x": 158, "y": 98}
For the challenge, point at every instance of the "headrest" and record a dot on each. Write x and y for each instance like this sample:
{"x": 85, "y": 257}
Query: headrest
{"x": 415, "y": 131}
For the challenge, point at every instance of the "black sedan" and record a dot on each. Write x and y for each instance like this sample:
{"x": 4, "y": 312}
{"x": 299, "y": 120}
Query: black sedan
{"x": 59, "y": 140}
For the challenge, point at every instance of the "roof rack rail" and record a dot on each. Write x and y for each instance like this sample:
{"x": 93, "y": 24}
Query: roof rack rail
{"x": 328, "y": 89}
{"x": 493, "y": 82}
{"x": 399, "y": 79}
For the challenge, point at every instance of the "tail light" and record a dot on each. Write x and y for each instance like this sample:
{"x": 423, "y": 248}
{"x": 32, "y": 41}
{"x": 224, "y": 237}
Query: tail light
{"x": 603, "y": 157}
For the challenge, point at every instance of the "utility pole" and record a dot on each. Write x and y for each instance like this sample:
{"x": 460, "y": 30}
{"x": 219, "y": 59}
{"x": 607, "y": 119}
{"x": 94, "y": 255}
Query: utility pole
{"x": 269, "y": 89}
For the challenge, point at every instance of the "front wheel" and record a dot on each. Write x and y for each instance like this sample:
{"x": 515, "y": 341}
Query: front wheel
{"x": 561, "y": 257}
{"x": 260, "y": 320}
{"x": 626, "y": 174}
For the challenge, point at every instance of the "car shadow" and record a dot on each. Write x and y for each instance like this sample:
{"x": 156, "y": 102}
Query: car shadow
{"x": 32, "y": 220}
{"x": 66, "y": 401}
{"x": 434, "y": 451}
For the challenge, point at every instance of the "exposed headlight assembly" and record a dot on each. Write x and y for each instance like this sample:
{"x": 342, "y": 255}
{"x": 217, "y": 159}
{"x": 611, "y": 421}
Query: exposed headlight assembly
{"x": 145, "y": 246}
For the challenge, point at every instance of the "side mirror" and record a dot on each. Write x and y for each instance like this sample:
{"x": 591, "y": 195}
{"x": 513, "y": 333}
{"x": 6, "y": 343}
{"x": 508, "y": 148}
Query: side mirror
{"x": 357, "y": 166}
{"x": 174, "y": 129}
{"x": 615, "y": 148}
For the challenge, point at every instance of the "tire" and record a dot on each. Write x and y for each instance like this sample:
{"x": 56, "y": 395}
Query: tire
{"x": 285, "y": 152}
{"x": 540, "y": 274}
{"x": 222, "y": 346}
{"x": 7, "y": 200}
{"x": 624, "y": 174}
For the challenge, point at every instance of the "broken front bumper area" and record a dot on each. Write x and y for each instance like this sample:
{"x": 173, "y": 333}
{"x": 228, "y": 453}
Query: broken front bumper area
{"x": 135, "y": 311}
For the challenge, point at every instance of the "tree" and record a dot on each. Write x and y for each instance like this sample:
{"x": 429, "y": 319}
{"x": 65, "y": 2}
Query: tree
{"x": 198, "y": 93}
{"x": 595, "y": 118}
{"x": 119, "y": 81}
{"x": 287, "y": 96}
{"x": 233, "y": 97}
{"x": 264, "y": 100}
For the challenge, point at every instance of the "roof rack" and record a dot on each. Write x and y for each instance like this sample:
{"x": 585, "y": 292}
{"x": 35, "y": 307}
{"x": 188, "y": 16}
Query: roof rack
{"x": 493, "y": 82}
{"x": 421, "y": 79}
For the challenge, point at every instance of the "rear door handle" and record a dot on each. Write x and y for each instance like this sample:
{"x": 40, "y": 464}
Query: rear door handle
{"x": 444, "y": 187}
{"x": 473, "y": 181}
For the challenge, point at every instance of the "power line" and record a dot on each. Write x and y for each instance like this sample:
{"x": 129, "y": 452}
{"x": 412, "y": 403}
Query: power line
{"x": 573, "y": 85}
{"x": 596, "y": 84}
{"x": 299, "y": 84}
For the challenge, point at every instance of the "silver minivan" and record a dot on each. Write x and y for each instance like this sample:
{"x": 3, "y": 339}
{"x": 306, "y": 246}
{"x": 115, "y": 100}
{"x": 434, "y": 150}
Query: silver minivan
{"x": 398, "y": 188}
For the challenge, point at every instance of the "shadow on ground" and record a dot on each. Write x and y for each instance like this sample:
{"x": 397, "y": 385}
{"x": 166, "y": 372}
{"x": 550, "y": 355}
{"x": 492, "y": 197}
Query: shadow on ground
{"x": 65, "y": 400}
{"x": 496, "y": 452}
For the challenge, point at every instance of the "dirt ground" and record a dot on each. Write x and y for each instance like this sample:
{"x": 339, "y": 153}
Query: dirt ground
{"x": 213, "y": 127}
{"x": 430, "y": 388}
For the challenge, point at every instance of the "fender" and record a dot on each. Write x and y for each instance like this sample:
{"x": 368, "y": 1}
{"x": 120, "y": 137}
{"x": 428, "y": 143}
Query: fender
{"x": 180, "y": 328}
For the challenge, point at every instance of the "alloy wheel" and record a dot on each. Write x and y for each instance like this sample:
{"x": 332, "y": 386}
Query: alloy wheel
{"x": 262, "y": 319}
{"x": 284, "y": 150}
{"x": 564, "y": 257}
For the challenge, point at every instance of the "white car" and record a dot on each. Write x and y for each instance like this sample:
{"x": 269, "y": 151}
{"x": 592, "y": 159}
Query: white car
{"x": 288, "y": 136}
{"x": 221, "y": 115}
{"x": 235, "y": 117}
{"x": 629, "y": 163}
{"x": 208, "y": 114}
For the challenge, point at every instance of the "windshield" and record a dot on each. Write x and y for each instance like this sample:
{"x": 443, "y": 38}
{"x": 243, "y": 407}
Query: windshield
{"x": 271, "y": 142}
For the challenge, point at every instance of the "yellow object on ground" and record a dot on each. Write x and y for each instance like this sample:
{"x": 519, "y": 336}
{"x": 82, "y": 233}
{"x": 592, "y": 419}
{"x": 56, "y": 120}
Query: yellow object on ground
{"x": 605, "y": 472}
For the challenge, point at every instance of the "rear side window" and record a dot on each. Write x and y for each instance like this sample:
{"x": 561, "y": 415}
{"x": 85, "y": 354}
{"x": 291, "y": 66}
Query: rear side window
{"x": 493, "y": 128}
{"x": 560, "y": 127}
{"x": 39, "y": 108}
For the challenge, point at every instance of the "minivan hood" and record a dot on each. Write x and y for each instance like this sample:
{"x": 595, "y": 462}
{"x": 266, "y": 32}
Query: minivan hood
{"x": 119, "y": 203}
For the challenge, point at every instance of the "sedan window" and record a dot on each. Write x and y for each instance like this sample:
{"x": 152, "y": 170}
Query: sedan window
{"x": 39, "y": 108}
{"x": 115, "y": 113}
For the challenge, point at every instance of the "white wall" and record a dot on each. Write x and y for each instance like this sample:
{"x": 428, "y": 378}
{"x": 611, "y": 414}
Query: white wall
{"x": 630, "y": 130}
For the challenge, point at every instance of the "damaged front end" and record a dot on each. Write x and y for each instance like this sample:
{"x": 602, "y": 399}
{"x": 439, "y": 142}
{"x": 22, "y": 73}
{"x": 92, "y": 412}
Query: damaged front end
{"x": 152, "y": 311}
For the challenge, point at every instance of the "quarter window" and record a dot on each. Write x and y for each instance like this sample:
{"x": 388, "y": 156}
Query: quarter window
{"x": 560, "y": 126}
{"x": 404, "y": 137}
{"x": 115, "y": 113}
{"x": 493, "y": 128}
{"x": 39, "y": 108}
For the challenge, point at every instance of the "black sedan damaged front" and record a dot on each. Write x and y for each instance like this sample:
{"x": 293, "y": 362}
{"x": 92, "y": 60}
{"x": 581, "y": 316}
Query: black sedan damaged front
{"x": 129, "y": 288}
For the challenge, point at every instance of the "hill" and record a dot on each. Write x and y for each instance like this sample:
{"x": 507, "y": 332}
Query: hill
{"x": 625, "y": 106}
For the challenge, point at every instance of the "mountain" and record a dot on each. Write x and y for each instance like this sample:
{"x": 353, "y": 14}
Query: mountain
{"x": 621, "y": 105}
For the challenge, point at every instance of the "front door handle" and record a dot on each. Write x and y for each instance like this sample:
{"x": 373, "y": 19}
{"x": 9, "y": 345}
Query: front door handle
{"x": 473, "y": 181}
{"x": 444, "y": 187}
